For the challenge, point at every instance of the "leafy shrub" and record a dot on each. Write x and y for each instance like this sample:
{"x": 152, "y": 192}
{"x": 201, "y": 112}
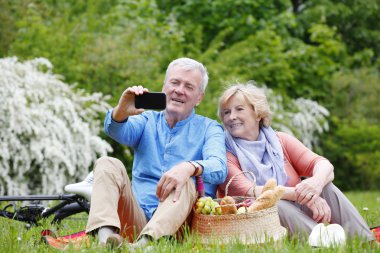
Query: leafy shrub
{"x": 354, "y": 151}
{"x": 48, "y": 130}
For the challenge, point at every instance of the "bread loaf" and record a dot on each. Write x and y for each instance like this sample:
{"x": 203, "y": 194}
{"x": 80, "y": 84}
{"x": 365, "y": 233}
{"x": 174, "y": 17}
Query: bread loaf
{"x": 279, "y": 191}
{"x": 265, "y": 200}
{"x": 270, "y": 184}
{"x": 270, "y": 195}
{"x": 228, "y": 205}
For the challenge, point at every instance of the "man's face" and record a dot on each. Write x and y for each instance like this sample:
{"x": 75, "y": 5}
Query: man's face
{"x": 183, "y": 91}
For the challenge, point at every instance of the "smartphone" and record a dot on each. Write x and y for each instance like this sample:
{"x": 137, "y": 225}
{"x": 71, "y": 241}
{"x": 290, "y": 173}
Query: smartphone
{"x": 151, "y": 100}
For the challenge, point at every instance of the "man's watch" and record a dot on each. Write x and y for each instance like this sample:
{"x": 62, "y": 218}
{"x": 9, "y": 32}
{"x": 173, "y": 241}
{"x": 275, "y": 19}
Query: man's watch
{"x": 197, "y": 167}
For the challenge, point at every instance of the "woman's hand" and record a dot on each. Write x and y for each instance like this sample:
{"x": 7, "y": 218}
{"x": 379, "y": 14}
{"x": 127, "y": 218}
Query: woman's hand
{"x": 308, "y": 190}
{"x": 321, "y": 210}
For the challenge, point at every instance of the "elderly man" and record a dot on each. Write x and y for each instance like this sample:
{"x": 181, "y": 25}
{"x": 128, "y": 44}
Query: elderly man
{"x": 171, "y": 147}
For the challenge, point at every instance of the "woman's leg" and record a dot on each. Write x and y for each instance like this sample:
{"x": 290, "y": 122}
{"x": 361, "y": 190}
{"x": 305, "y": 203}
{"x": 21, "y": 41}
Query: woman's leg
{"x": 295, "y": 218}
{"x": 345, "y": 214}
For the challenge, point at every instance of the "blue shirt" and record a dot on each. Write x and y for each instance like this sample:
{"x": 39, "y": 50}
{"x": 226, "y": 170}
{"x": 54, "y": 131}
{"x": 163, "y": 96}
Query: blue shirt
{"x": 157, "y": 148}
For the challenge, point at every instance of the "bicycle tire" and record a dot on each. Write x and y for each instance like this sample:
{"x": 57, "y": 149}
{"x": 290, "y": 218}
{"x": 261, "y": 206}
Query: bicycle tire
{"x": 67, "y": 211}
{"x": 70, "y": 204}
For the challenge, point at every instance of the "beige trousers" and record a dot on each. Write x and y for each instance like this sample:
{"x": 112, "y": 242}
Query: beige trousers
{"x": 113, "y": 204}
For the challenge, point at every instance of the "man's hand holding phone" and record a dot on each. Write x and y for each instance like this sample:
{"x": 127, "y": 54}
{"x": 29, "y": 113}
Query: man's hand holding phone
{"x": 126, "y": 106}
{"x": 151, "y": 100}
{"x": 135, "y": 99}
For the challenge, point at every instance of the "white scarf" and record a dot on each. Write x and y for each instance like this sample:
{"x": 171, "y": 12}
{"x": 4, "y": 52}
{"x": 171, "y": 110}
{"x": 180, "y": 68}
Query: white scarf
{"x": 263, "y": 157}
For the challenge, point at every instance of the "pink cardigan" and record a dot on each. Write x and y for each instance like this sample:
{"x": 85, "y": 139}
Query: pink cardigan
{"x": 299, "y": 162}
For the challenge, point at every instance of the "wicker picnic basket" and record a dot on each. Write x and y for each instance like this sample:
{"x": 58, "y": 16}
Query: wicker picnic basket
{"x": 248, "y": 228}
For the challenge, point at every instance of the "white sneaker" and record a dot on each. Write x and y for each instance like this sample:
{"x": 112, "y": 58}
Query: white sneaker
{"x": 327, "y": 236}
{"x": 83, "y": 188}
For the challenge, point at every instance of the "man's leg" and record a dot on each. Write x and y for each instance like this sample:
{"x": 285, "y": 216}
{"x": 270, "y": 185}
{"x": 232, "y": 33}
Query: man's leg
{"x": 345, "y": 214}
{"x": 112, "y": 201}
{"x": 170, "y": 216}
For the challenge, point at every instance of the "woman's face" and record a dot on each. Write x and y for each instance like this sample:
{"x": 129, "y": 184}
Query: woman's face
{"x": 240, "y": 119}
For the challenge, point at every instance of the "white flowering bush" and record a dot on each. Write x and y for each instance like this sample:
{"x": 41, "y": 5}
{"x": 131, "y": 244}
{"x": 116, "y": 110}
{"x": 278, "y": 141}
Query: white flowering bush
{"x": 303, "y": 118}
{"x": 48, "y": 130}
{"x": 310, "y": 120}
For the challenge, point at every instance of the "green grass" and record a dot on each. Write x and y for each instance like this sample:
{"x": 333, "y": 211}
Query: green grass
{"x": 15, "y": 237}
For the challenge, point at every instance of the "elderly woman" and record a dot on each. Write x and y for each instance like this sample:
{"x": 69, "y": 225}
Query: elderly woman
{"x": 254, "y": 146}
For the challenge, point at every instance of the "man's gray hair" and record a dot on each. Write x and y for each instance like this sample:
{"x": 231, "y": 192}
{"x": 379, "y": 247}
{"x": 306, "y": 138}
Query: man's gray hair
{"x": 190, "y": 64}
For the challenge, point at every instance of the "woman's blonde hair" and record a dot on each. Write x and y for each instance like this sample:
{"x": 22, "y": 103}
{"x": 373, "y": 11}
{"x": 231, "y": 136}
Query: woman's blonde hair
{"x": 253, "y": 95}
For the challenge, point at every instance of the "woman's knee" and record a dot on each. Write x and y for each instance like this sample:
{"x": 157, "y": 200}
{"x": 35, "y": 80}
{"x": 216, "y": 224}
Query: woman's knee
{"x": 287, "y": 210}
{"x": 329, "y": 187}
{"x": 331, "y": 190}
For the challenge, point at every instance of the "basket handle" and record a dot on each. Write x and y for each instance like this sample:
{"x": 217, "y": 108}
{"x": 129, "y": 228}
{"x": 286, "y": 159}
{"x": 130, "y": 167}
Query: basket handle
{"x": 234, "y": 176}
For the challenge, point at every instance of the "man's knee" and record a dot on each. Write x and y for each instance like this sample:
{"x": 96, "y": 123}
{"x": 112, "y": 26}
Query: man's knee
{"x": 110, "y": 165}
{"x": 188, "y": 194}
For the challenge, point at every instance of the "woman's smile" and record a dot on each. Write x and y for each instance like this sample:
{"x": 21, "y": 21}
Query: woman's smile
{"x": 240, "y": 118}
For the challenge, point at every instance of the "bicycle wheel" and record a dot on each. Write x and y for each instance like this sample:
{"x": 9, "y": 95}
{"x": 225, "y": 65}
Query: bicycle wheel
{"x": 67, "y": 211}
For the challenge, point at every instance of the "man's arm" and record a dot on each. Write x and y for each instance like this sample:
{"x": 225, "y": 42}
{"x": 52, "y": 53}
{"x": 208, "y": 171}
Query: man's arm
{"x": 213, "y": 163}
{"x": 115, "y": 121}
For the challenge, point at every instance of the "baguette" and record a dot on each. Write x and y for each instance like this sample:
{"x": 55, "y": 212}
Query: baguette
{"x": 270, "y": 184}
{"x": 265, "y": 200}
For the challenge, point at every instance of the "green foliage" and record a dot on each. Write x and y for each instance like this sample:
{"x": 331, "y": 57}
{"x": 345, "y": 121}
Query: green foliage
{"x": 356, "y": 21}
{"x": 354, "y": 151}
{"x": 286, "y": 64}
{"x": 324, "y": 50}
{"x": 243, "y": 16}
{"x": 357, "y": 91}
{"x": 354, "y": 147}
{"x": 8, "y": 17}
{"x": 99, "y": 44}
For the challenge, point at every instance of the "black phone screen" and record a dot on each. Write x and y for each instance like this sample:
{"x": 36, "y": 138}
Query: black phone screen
{"x": 151, "y": 100}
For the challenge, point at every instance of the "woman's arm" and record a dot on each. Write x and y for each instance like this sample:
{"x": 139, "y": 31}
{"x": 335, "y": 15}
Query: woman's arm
{"x": 310, "y": 189}
{"x": 322, "y": 175}
{"x": 304, "y": 162}
{"x": 288, "y": 195}
{"x": 240, "y": 185}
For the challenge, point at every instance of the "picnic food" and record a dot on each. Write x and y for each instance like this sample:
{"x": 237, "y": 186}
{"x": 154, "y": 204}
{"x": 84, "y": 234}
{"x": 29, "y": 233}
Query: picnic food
{"x": 265, "y": 200}
{"x": 241, "y": 209}
{"x": 228, "y": 205}
{"x": 269, "y": 197}
{"x": 279, "y": 192}
{"x": 270, "y": 184}
{"x": 206, "y": 205}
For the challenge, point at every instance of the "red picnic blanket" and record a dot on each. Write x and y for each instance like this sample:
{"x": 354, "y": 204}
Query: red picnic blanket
{"x": 76, "y": 240}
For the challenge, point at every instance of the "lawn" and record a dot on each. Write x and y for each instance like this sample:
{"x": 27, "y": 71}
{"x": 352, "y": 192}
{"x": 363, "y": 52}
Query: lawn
{"x": 15, "y": 237}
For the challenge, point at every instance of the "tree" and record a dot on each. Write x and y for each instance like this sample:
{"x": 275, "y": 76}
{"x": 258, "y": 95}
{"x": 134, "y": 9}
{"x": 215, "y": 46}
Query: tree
{"x": 355, "y": 20}
{"x": 48, "y": 130}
